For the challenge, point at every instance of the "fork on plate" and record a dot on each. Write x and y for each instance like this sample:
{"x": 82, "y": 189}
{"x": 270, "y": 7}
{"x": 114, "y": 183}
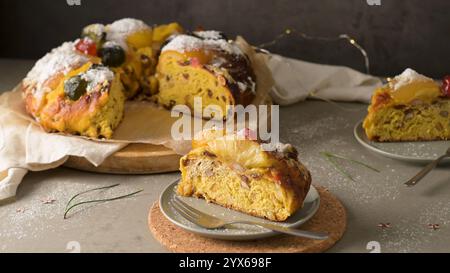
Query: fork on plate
{"x": 413, "y": 181}
{"x": 211, "y": 222}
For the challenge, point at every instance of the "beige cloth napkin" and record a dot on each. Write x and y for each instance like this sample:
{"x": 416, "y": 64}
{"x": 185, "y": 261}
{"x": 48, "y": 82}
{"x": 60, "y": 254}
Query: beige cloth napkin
{"x": 296, "y": 80}
{"x": 25, "y": 147}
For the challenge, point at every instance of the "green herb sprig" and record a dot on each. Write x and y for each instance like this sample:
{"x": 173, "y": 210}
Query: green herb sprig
{"x": 70, "y": 206}
{"x": 332, "y": 159}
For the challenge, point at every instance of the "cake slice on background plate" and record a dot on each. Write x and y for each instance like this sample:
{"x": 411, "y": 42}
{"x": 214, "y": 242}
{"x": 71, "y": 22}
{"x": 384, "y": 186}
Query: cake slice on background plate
{"x": 411, "y": 107}
{"x": 236, "y": 171}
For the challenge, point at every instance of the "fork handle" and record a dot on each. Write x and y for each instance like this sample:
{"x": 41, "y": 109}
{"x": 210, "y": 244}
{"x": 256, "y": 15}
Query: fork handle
{"x": 291, "y": 231}
{"x": 413, "y": 181}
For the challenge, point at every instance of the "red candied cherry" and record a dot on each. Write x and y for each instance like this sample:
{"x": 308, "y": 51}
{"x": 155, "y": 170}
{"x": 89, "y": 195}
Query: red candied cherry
{"x": 195, "y": 62}
{"x": 86, "y": 46}
{"x": 446, "y": 86}
{"x": 277, "y": 176}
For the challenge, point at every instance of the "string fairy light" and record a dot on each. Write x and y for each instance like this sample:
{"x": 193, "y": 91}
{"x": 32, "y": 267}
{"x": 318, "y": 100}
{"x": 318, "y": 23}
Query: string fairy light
{"x": 313, "y": 93}
{"x": 291, "y": 31}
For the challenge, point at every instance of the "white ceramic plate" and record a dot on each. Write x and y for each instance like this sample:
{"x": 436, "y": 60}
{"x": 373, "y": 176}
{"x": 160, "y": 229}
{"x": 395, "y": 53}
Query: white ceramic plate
{"x": 417, "y": 152}
{"x": 236, "y": 231}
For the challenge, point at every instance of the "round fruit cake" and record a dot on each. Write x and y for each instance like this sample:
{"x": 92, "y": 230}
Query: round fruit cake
{"x": 81, "y": 86}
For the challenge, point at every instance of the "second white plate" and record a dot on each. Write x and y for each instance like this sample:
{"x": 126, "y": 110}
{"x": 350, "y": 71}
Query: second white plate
{"x": 417, "y": 152}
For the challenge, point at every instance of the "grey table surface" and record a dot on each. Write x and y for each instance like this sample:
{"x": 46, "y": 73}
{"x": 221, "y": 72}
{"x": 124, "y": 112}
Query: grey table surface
{"x": 29, "y": 225}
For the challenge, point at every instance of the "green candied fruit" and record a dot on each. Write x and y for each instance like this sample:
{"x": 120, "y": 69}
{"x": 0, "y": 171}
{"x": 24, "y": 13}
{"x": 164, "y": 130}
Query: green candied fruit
{"x": 95, "y": 32}
{"x": 112, "y": 56}
{"x": 75, "y": 87}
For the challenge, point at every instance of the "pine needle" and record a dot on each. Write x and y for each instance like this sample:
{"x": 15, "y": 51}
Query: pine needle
{"x": 338, "y": 167}
{"x": 331, "y": 158}
{"x": 351, "y": 160}
{"x": 91, "y": 190}
{"x": 70, "y": 207}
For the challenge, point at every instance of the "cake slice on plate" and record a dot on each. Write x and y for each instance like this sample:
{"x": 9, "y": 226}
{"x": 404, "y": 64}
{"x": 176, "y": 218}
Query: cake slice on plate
{"x": 237, "y": 172}
{"x": 411, "y": 107}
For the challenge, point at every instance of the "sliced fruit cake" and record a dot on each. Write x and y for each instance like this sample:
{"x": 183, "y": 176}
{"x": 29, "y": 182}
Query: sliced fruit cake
{"x": 411, "y": 107}
{"x": 240, "y": 173}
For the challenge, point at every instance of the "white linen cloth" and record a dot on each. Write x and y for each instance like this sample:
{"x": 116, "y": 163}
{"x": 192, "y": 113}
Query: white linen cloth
{"x": 25, "y": 147}
{"x": 296, "y": 80}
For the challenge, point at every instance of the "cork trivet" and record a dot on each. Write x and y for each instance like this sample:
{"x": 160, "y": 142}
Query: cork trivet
{"x": 331, "y": 217}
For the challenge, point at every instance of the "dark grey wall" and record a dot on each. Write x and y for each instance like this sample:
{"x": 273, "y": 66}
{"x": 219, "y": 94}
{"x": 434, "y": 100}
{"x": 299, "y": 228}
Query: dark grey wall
{"x": 397, "y": 34}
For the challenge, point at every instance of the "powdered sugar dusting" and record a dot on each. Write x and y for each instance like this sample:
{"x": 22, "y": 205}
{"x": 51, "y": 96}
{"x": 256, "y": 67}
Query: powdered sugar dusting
{"x": 242, "y": 86}
{"x": 97, "y": 29}
{"x": 416, "y": 150}
{"x": 312, "y": 138}
{"x": 407, "y": 77}
{"x": 126, "y": 26}
{"x": 253, "y": 85}
{"x": 280, "y": 148}
{"x": 97, "y": 76}
{"x": 36, "y": 217}
{"x": 65, "y": 57}
{"x": 415, "y": 235}
{"x": 120, "y": 29}
{"x": 186, "y": 43}
{"x": 61, "y": 59}
{"x": 209, "y": 34}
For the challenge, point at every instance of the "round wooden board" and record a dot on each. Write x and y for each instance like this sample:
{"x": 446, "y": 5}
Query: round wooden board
{"x": 331, "y": 217}
{"x": 140, "y": 158}
{"x": 133, "y": 159}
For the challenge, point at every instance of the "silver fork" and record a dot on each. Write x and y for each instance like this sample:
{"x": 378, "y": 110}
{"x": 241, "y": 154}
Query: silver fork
{"x": 211, "y": 222}
{"x": 413, "y": 181}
